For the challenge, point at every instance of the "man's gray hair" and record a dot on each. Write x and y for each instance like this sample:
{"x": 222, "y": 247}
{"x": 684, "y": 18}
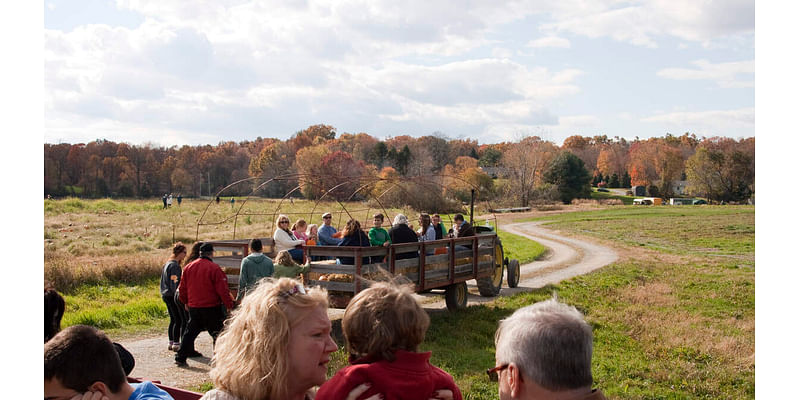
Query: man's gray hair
{"x": 550, "y": 343}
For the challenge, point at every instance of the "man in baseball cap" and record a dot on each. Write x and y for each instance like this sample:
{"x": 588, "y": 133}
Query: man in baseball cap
{"x": 326, "y": 232}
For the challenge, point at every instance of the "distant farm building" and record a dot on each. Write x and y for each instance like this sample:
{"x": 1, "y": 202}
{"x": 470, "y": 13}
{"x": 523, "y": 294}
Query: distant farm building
{"x": 639, "y": 191}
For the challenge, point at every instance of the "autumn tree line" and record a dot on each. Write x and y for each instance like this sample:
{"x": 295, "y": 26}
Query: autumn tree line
{"x": 316, "y": 162}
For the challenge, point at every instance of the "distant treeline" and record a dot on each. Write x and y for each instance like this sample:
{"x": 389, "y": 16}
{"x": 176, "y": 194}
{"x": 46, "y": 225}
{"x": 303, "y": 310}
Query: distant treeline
{"x": 718, "y": 168}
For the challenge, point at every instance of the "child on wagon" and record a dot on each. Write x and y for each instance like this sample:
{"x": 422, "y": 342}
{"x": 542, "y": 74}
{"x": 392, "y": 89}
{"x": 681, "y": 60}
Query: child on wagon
{"x": 383, "y": 328}
{"x": 285, "y": 267}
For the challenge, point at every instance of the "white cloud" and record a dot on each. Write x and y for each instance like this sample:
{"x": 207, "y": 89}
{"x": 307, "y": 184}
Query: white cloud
{"x": 578, "y": 121}
{"x": 726, "y": 75}
{"x": 550, "y": 41}
{"x": 642, "y": 23}
{"x": 269, "y": 68}
{"x": 708, "y": 123}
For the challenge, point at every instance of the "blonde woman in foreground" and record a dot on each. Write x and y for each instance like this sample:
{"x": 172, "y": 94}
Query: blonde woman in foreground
{"x": 276, "y": 345}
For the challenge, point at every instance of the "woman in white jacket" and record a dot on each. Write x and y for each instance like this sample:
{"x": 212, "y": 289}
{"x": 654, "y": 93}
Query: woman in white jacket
{"x": 285, "y": 240}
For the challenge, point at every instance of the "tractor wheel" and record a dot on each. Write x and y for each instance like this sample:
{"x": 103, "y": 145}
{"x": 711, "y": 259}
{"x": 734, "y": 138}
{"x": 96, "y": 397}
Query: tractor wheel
{"x": 513, "y": 273}
{"x": 455, "y": 296}
{"x": 490, "y": 286}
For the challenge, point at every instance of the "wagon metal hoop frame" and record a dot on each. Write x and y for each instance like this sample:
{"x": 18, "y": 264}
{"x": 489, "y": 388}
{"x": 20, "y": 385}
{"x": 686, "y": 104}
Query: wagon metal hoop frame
{"x": 363, "y": 182}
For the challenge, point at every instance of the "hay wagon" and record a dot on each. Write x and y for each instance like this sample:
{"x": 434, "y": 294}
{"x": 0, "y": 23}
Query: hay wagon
{"x": 441, "y": 265}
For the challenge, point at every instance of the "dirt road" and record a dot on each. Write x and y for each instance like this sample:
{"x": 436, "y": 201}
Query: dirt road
{"x": 566, "y": 257}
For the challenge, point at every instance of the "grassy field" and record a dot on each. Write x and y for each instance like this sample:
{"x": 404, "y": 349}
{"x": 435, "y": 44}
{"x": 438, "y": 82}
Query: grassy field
{"x": 669, "y": 323}
{"x": 673, "y": 319}
{"x": 626, "y": 200}
{"x": 105, "y": 256}
{"x": 105, "y": 242}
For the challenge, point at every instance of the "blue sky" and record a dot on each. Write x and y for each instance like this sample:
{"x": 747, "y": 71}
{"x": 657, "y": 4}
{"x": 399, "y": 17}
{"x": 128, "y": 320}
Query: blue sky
{"x": 174, "y": 73}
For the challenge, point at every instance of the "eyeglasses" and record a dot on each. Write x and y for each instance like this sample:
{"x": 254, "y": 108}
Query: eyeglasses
{"x": 493, "y": 372}
{"x": 284, "y": 222}
{"x": 326, "y": 217}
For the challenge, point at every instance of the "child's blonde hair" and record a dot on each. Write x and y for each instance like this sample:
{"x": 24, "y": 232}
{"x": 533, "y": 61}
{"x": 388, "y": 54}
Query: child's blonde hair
{"x": 284, "y": 258}
{"x": 382, "y": 319}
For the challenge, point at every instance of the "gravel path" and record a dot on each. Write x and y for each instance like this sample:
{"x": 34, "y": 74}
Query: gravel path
{"x": 566, "y": 257}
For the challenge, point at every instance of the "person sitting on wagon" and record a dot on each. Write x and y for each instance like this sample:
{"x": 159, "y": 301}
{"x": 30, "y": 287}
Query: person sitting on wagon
{"x": 378, "y": 236}
{"x": 285, "y": 267}
{"x": 438, "y": 226}
{"x": 461, "y": 229}
{"x": 285, "y": 239}
{"x": 401, "y": 233}
{"x": 352, "y": 235}
{"x": 326, "y": 231}
{"x": 299, "y": 229}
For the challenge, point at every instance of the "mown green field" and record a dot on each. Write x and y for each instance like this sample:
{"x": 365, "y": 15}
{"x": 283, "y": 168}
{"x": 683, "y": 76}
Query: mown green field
{"x": 666, "y": 327}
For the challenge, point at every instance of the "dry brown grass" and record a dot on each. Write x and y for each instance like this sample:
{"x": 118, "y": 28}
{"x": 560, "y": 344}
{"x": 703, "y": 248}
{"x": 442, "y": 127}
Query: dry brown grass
{"x": 679, "y": 328}
{"x": 66, "y": 272}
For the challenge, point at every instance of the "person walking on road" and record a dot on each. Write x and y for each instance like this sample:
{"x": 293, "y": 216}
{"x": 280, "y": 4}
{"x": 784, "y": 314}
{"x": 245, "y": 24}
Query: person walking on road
{"x": 203, "y": 289}
{"x": 170, "y": 279}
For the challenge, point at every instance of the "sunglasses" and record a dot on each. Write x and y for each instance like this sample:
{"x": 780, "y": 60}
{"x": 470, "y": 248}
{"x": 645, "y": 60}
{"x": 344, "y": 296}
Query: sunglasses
{"x": 326, "y": 217}
{"x": 493, "y": 372}
{"x": 284, "y": 222}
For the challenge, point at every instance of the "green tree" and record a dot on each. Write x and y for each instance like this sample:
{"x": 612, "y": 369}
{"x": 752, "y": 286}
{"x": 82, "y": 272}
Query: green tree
{"x": 379, "y": 154}
{"x": 402, "y": 159}
{"x": 626, "y": 180}
{"x": 614, "y": 181}
{"x": 490, "y": 158}
{"x": 568, "y": 173}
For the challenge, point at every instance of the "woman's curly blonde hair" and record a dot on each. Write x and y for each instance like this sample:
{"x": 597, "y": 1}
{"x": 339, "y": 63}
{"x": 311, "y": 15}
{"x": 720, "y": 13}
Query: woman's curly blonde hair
{"x": 251, "y": 359}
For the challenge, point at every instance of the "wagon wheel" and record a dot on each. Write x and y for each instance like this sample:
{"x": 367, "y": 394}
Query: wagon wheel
{"x": 513, "y": 273}
{"x": 455, "y": 296}
{"x": 490, "y": 286}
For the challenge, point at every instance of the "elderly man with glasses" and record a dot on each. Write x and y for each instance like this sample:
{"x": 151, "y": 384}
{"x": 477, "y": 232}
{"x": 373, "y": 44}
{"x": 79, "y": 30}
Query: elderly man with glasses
{"x": 544, "y": 351}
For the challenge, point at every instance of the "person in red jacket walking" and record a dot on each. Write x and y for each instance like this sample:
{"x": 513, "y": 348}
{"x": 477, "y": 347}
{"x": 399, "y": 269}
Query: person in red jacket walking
{"x": 383, "y": 328}
{"x": 203, "y": 289}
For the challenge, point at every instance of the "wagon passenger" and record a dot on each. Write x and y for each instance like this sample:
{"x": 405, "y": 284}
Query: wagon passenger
{"x": 285, "y": 239}
{"x": 285, "y": 267}
{"x": 353, "y": 236}
{"x": 378, "y": 236}
{"x": 299, "y": 229}
{"x": 401, "y": 233}
{"x": 326, "y": 232}
{"x": 441, "y": 232}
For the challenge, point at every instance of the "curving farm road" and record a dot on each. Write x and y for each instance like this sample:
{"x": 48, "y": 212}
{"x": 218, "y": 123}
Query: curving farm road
{"x": 566, "y": 257}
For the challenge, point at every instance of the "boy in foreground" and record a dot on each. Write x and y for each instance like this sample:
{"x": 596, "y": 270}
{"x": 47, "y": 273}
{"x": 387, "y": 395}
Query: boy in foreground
{"x": 80, "y": 362}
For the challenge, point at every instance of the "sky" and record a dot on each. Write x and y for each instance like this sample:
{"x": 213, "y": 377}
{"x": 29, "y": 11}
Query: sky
{"x": 202, "y": 72}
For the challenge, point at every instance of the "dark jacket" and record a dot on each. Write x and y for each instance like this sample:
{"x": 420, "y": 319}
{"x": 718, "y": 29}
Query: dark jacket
{"x": 401, "y": 233}
{"x": 466, "y": 230}
{"x": 359, "y": 238}
{"x": 440, "y": 231}
{"x": 170, "y": 278}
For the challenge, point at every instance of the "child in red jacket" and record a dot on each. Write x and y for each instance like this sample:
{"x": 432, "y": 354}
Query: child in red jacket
{"x": 383, "y": 327}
